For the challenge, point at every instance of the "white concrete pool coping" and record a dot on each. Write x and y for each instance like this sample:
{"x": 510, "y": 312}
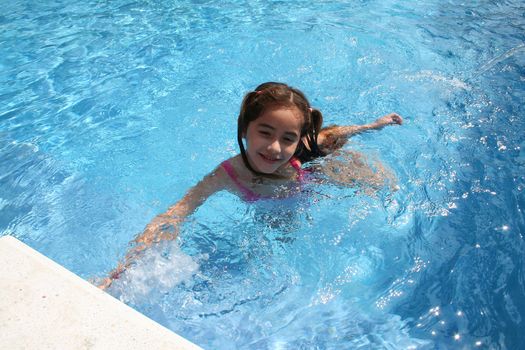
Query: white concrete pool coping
{"x": 45, "y": 306}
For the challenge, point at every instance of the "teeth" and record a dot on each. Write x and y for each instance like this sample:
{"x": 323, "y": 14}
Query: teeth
{"x": 269, "y": 158}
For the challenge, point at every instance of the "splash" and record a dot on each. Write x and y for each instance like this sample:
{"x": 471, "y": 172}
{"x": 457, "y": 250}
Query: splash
{"x": 498, "y": 59}
{"x": 159, "y": 270}
{"x": 439, "y": 78}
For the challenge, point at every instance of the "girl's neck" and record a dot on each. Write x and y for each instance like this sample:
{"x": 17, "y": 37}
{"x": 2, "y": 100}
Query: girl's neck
{"x": 284, "y": 173}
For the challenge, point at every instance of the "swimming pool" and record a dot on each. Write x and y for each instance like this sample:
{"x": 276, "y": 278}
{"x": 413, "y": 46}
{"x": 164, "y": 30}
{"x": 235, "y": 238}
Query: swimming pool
{"x": 105, "y": 114}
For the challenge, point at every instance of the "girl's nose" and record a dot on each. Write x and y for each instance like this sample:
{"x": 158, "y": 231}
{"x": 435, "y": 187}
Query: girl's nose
{"x": 275, "y": 146}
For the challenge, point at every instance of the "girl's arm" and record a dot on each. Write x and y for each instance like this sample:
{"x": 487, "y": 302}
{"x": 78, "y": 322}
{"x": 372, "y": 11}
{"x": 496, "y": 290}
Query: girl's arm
{"x": 165, "y": 226}
{"x": 332, "y": 138}
{"x": 155, "y": 231}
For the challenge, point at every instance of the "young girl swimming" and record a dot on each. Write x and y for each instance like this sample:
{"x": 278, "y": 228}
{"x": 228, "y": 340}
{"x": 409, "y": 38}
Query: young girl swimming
{"x": 277, "y": 131}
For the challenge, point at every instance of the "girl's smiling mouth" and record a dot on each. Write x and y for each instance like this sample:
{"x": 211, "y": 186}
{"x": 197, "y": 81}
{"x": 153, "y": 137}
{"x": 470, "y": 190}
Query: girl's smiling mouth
{"x": 269, "y": 159}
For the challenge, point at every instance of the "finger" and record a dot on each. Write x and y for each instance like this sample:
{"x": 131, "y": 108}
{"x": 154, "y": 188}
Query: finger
{"x": 106, "y": 283}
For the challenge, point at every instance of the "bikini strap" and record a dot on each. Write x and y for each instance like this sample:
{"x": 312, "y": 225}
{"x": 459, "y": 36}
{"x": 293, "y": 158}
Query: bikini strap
{"x": 249, "y": 195}
{"x": 294, "y": 162}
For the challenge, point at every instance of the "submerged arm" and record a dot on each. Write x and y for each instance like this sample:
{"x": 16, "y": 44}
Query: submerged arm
{"x": 334, "y": 137}
{"x": 165, "y": 226}
{"x": 354, "y": 169}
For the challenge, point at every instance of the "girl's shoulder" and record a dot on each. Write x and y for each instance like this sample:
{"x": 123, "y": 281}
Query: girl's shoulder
{"x": 233, "y": 170}
{"x": 237, "y": 178}
{"x": 233, "y": 165}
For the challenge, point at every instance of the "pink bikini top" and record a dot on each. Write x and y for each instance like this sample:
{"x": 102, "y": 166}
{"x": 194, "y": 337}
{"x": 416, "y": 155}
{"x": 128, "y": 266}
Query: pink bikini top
{"x": 248, "y": 194}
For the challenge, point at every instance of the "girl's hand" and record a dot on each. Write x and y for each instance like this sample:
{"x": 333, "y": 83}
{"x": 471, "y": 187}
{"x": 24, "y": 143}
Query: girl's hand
{"x": 162, "y": 227}
{"x": 113, "y": 275}
{"x": 106, "y": 282}
{"x": 389, "y": 119}
{"x": 121, "y": 268}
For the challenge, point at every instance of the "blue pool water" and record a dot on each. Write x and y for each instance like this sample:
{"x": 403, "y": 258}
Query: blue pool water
{"x": 110, "y": 111}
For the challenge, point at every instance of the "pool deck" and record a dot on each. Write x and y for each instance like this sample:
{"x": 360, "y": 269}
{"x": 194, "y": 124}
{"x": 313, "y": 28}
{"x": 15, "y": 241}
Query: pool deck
{"x": 45, "y": 306}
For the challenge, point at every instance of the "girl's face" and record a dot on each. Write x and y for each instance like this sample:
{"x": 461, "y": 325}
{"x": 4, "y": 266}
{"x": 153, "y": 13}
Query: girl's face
{"x": 273, "y": 137}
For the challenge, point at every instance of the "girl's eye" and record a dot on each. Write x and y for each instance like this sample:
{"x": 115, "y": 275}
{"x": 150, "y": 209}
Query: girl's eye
{"x": 289, "y": 140}
{"x": 264, "y": 133}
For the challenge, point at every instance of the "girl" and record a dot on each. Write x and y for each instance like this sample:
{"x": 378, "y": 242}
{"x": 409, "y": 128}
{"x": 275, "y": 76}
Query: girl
{"x": 278, "y": 131}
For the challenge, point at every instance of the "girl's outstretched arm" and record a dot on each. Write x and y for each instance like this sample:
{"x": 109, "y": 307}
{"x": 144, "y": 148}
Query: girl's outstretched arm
{"x": 155, "y": 231}
{"x": 332, "y": 138}
{"x": 165, "y": 226}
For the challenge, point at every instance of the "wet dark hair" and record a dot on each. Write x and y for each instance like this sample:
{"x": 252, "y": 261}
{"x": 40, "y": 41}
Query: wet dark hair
{"x": 279, "y": 94}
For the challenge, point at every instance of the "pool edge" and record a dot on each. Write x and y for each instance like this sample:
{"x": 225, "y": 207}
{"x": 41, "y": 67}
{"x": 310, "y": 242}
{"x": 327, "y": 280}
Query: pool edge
{"x": 44, "y": 305}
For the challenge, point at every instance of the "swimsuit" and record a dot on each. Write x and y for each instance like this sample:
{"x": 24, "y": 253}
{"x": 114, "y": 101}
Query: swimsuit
{"x": 248, "y": 194}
